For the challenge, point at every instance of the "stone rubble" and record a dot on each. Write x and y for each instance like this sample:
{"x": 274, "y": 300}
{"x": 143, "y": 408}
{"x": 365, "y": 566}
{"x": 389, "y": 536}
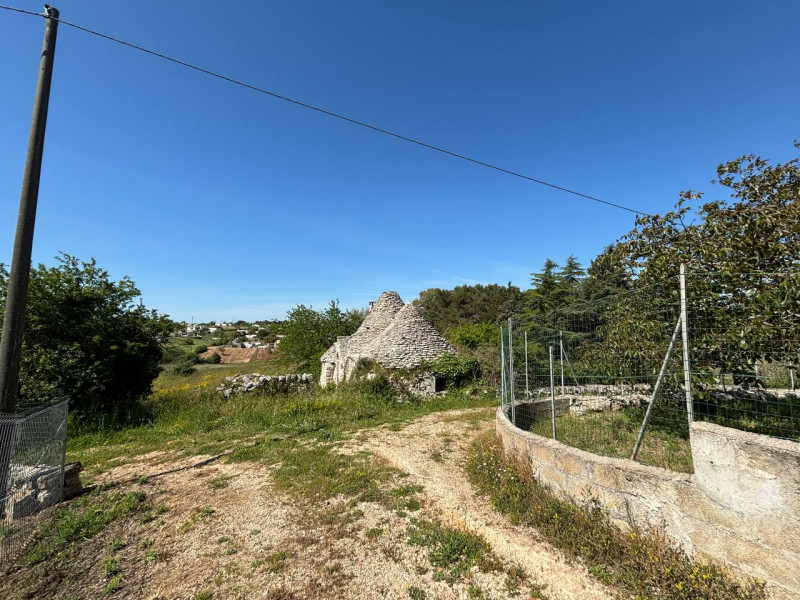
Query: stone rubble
{"x": 249, "y": 382}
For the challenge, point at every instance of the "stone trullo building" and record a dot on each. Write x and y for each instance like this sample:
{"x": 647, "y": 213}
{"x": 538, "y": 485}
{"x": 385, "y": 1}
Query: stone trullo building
{"x": 395, "y": 335}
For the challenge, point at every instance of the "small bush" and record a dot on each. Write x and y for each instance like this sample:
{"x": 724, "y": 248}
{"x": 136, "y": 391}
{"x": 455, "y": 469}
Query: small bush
{"x": 454, "y": 551}
{"x": 214, "y": 359}
{"x": 365, "y": 366}
{"x": 473, "y": 335}
{"x": 454, "y": 369}
{"x": 185, "y": 367}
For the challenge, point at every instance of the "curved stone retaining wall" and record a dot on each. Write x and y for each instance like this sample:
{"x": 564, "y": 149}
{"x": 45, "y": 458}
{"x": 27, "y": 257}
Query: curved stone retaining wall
{"x": 740, "y": 507}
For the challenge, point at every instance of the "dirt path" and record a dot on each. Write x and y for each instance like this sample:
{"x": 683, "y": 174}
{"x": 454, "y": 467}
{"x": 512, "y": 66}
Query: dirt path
{"x": 432, "y": 450}
{"x": 216, "y": 530}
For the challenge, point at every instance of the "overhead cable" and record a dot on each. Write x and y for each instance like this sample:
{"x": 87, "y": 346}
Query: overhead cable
{"x": 329, "y": 113}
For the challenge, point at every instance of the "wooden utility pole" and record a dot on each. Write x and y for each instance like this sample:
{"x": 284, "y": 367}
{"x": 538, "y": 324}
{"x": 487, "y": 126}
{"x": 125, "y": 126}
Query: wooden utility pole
{"x": 14, "y": 318}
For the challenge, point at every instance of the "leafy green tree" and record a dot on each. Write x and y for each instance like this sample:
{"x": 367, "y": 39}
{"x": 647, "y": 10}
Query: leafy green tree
{"x": 557, "y": 302}
{"x": 547, "y": 292}
{"x": 309, "y": 333}
{"x": 743, "y": 257}
{"x": 478, "y": 303}
{"x": 87, "y": 338}
{"x": 474, "y": 335}
{"x": 266, "y": 335}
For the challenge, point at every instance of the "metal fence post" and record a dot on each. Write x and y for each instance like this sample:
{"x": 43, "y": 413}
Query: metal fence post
{"x": 561, "y": 358}
{"x": 552, "y": 393}
{"x": 502, "y": 371}
{"x": 687, "y": 372}
{"x": 527, "y": 392}
{"x": 511, "y": 372}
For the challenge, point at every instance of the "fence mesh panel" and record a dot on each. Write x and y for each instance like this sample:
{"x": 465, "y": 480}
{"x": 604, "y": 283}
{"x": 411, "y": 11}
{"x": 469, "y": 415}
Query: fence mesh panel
{"x": 607, "y": 353}
{"x": 746, "y": 341}
{"x": 604, "y": 368}
{"x": 32, "y": 447}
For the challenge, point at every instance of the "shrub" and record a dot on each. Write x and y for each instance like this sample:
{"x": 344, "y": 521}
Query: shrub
{"x": 455, "y": 369}
{"x": 214, "y": 359}
{"x": 185, "y": 367}
{"x": 378, "y": 386}
{"x": 474, "y": 335}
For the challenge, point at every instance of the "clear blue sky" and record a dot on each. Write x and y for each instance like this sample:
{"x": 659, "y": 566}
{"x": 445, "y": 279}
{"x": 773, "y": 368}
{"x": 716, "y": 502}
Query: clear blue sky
{"x": 222, "y": 203}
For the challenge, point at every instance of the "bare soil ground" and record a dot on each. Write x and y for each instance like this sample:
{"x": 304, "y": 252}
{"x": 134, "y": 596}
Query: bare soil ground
{"x": 227, "y": 533}
{"x": 238, "y": 355}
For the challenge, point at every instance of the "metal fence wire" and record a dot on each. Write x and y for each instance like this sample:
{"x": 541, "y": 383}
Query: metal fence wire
{"x": 32, "y": 451}
{"x": 614, "y": 376}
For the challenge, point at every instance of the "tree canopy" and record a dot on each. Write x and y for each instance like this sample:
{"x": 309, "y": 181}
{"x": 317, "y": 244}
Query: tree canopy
{"x": 86, "y": 338}
{"x": 478, "y": 303}
{"x": 309, "y": 333}
{"x": 743, "y": 259}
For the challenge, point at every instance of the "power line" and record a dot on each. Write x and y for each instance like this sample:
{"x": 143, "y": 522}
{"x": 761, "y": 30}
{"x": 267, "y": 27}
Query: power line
{"x": 328, "y": 112}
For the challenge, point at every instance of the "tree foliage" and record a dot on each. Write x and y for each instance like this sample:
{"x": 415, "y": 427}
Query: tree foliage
{"x": 743, "y": 257}
{"x": 86, "y": 338}
{"x": 478, "y": 303}
{"x": 454, "y": 369}
{"x": 472, "y": 336}
{"x": 309, "y": 333}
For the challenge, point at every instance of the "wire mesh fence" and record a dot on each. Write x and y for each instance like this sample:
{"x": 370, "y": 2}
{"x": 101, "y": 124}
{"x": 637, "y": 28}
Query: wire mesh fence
{"x": 592, "y": 373}
{"x": 746, "y": 342}
{"x": 32, "y": 448}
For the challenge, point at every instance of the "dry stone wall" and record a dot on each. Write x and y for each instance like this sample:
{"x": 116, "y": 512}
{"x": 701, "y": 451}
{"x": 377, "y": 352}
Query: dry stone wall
{"x": 243, "y": 384}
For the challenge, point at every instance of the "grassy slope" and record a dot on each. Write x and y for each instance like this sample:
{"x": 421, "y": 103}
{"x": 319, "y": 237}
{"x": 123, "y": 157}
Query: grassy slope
{"x": 189, "y": 417}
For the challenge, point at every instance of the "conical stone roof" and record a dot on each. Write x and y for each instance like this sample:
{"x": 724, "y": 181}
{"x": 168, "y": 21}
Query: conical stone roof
{"x": 408, "y": 341}
{"x": 379, "y": 317}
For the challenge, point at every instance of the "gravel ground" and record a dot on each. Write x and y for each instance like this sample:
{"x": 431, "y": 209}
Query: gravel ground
{"x": 227, "y": 533}
{"x": 432, "y": 450}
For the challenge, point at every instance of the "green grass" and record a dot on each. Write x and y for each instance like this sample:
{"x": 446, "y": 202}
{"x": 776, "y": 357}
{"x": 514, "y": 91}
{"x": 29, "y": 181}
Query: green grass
{"x": 81, "y": 519}
{"x": 193, "y": 419}
{"x": 220, "y": 483}
{"x": 213, "y": 374}
{"x": 114, "y": 584}
{"x": 613, "y": 433}
{"x": 641, "y": 563}
{"x": 758, "y": 414}
{"x": 452, "y": 551}
{"x": 275, "y": 562}
{"x": 111, "y": 565}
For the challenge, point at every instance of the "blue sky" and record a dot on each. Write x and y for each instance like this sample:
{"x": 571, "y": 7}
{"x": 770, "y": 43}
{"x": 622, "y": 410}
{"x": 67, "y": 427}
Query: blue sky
{"x": 222, "y": 203}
